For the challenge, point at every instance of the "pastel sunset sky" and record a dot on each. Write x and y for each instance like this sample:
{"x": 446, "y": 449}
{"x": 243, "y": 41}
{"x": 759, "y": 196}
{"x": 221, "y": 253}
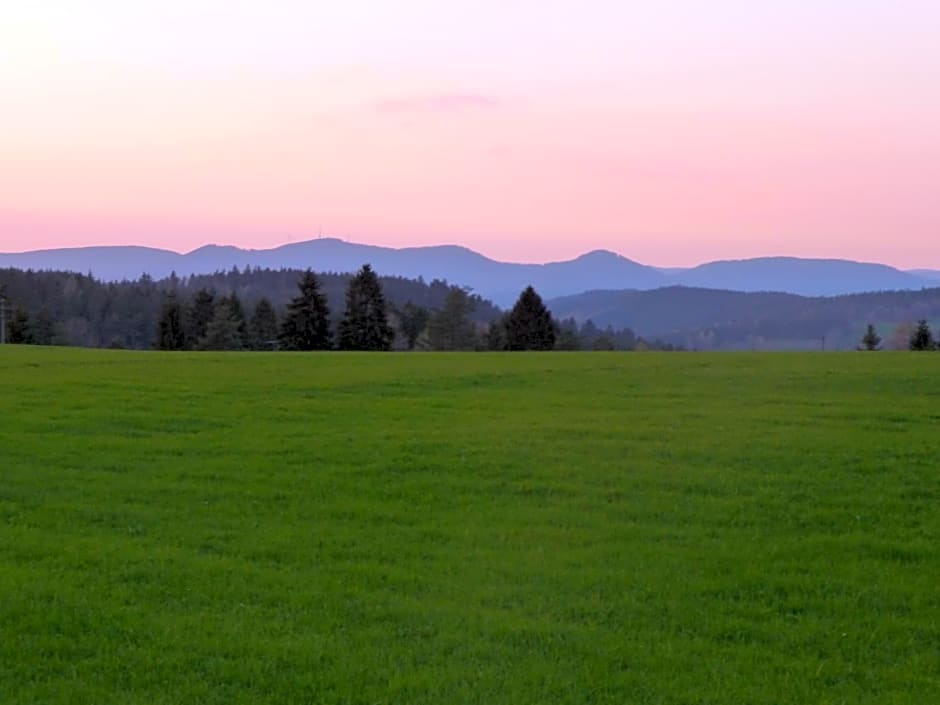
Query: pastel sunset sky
{"x": 673, "y": 132}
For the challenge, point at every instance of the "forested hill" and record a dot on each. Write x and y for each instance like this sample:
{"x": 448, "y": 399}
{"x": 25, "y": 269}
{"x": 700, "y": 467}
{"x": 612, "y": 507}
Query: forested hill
{"x": 709, "y": 319}
{"x": 77, "y": 309}
{"x": 499, "y": 282}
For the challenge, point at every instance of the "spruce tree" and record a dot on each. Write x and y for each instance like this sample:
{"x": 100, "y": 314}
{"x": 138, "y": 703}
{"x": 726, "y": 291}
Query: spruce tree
{"x": 365, "y": 323}
{"x": 262, "y": 328}
{"x": 18, "y": 330}
{"x": 307, "y": 323}
{"x": 871, "y": 340}
{"x": 451, "y": 328}
{"x": 529, "y": 325}
{"x": 222, "y": 332}
{"x": 922, "y": 338}
{"x": 170, "y": 333}
{"x": 198, "y": 316}
{"x": 238, "y": 314}
{"x": 496, "y": 335}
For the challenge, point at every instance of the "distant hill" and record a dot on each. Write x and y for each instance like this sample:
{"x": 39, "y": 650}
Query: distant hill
{"x": 500, "y": 282}
{"x": 931, "y": 274}
{"x": 715, "y": 319}
{"x": 809, "y": 277}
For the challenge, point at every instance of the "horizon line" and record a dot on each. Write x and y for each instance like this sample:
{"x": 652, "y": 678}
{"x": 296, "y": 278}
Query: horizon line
{"x": 336, "y": 238}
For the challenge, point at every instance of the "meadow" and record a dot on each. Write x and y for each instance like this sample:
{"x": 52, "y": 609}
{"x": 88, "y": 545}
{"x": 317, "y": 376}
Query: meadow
{"x": 226, "y": 528}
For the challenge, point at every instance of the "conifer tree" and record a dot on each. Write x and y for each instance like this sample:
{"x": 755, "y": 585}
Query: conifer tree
{"x": 365, "y": 323}
{"x": 238, "y": 314}
{"x": 307, "y": 323}
{"x": 18, "y": 331}
{"x": 413, "y": 319}
{"x": 222, "y": 332}
{"x": 529, "y": 325}
{"x": 262, "y": 328}
{"x": 43, "y": 330}
{"x": 170, "y": 333}
{"x": 496, "y": 335}
{"x": 198, "y": 316}
{"x": 567, "y": 338}
{"x": 871, "y": 340}
{"x": 451, "y": 328}
{"x": 922, "y": 338}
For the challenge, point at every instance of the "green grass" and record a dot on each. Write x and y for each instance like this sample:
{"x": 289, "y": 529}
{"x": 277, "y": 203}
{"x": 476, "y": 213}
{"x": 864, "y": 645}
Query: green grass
{"x": 549, "y": 528}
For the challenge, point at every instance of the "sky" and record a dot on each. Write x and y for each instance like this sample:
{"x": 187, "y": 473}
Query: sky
{"x": 673, "y": 132}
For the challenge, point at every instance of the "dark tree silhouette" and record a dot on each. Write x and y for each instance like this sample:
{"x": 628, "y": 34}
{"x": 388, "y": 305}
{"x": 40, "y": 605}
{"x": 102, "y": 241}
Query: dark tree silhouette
{"x": 413, "y": 320}
{"x": 922, "y": 338}
{"x": 223, "y": 330}
{"x": 307, "y": 323}
{"x": 451, "y": 328}
{"x": 365, "y": 323}
{"x": 170, "y": 332}
{"x": 198, "y": 316}
{"x": 529, "y": 325}
{"x": 262, "y": 328}
{"x": 18, "y": 327}
{"x": 871, "y": 340}
{"x": 496, "y": 334}
{"x": 238, "y": 314}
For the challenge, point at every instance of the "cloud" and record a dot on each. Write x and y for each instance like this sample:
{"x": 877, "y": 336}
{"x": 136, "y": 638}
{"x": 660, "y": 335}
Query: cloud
{"x": 442, "y": 103}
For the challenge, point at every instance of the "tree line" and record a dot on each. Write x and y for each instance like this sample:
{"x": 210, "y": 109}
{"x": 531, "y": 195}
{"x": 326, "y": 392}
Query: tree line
{"x": 917, "y": 338}
{"x": 68, "y": 308}
{"x": 261, "y": 309}
{"x": 209, "y": 323}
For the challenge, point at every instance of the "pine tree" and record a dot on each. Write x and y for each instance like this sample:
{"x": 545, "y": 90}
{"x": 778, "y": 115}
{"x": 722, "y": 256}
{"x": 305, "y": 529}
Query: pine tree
{"x": 170, "y": 333}
{"x": 198, "y": 316}
{"x": 529, "y": 325}
{"x": 871, "y": 340}
{"x": 222, "y": 332}
{"x": 451, "y": 328}
{"x": 365, "y": 323}
{"x": 922, "y": 338}
{"x": 262, "y": 328}
{"x": 307, "y": 324}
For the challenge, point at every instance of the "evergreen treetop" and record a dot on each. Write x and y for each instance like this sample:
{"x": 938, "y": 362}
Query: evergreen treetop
{"x": 529, "y": 326}
{"x": 170, "y": 332}
{"x": 451, "y": 328}
{"x": 365, "y": 323}
{"x": 262, "y": 328}
{"x": 223, "y": 331}
{"x": 871, "y": 340}
{"x": 922, "y": 338}
{"x": 307, "y": 323}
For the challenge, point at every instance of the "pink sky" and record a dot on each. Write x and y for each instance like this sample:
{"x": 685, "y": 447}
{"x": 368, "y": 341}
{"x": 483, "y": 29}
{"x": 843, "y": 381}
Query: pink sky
{"x": 672, "y": 132}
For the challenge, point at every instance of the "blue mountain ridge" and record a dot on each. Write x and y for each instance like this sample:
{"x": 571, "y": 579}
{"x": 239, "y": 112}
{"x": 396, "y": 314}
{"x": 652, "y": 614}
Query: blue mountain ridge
{"x": 497, "y": 281}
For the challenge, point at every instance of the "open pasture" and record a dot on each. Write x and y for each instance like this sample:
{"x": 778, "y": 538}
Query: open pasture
{"x": 482, "y": 528}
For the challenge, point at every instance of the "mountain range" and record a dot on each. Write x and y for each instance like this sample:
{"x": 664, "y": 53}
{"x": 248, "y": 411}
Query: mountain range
{"x": 498, "y": 281}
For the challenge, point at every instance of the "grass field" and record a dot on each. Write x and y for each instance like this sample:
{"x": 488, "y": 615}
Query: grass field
{"x": 549, "y": 528}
